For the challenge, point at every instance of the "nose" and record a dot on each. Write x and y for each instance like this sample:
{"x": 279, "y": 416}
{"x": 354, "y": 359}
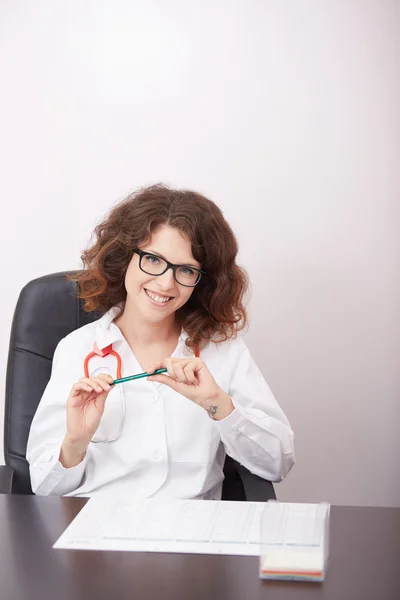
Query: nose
{"x": 166, "y": 281}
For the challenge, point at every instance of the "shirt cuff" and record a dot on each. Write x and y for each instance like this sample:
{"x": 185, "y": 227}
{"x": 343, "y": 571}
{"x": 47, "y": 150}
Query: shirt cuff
{"x": 71, "y": 472}
{"x": 59, "y": 480}
{"x": 232, "y": 422}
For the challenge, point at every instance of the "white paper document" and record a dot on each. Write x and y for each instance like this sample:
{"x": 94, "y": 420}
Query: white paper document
{"x": 193, "y": 526}
{"x": 201, "y": 527}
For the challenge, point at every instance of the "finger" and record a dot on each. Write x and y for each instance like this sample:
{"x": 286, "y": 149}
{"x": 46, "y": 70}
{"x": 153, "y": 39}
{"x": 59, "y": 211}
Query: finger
{"x": 81, "y": 387}
{"x": 166, "y": 380}
{"x": 154, "y": 366}
{"x": 100, "y": 401}
{"x": 189, "y": 374}
{"x": 108, "y": 378}
{"x": 103, "y": 383}
{"x": 179, "y": 372}
{"x": 178, "y": 365}
{"x": 197, "y": 367}
{"x": 94, "y": 385}
{"x": 169, "y": 367}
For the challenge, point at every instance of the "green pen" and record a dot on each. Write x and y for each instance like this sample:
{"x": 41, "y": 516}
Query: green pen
{"x": 139, "y": 376}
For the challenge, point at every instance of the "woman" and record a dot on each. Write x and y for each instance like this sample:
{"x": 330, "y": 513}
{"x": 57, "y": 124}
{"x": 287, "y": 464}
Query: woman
{"x": 162, "y": 271}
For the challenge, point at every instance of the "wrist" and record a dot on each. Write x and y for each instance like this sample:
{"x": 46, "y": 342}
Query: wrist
{"x": 72, "y": 452}
{"x": 220, "y": 406}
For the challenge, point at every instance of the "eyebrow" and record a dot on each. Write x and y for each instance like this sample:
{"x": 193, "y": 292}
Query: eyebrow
{"x": 185, "y": 264}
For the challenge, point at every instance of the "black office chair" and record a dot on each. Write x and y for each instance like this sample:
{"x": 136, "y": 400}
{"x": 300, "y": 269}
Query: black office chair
{"x": 47, "y": 310}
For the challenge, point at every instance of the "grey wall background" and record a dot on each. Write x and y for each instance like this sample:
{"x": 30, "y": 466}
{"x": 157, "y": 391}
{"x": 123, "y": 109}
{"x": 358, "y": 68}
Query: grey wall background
{"x": 286, "y": 114}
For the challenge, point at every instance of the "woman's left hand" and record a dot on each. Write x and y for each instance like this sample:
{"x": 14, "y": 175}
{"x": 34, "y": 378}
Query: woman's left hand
{"x": 191, "y": 378}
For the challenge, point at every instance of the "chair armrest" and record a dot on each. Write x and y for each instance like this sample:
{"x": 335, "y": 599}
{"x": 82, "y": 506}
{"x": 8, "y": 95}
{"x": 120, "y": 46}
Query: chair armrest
{"x": 6, "y": 477}
{"x": 256, "y": 489}
{"x": 240, "y": 484}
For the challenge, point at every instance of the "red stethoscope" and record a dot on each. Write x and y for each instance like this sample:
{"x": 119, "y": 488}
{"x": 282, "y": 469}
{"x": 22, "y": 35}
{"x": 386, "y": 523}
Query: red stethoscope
{"x": 111, "y": 429}
{"x": 108, "y": 350}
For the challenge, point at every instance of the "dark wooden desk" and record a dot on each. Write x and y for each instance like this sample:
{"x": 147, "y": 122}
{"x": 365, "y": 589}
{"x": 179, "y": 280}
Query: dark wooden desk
{"x": 364, "y": 563}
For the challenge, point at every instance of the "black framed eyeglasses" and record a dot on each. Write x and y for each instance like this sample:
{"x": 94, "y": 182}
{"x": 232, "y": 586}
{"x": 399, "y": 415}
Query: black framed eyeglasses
{"x": 155, "y": 265}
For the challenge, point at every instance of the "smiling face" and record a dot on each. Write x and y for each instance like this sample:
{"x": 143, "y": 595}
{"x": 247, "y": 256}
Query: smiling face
{"x": 156, "y": 298}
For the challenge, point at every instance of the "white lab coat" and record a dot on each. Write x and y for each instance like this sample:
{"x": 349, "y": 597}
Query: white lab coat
{"x": 153, "y": 441}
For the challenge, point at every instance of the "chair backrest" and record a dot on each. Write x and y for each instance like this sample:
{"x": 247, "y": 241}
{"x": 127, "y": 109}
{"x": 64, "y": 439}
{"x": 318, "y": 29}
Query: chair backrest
{"x": 47, "y": 310}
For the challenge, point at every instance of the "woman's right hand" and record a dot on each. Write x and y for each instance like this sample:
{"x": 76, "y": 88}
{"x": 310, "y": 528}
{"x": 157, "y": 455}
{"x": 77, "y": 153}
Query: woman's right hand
{"x": 85, "y": 407}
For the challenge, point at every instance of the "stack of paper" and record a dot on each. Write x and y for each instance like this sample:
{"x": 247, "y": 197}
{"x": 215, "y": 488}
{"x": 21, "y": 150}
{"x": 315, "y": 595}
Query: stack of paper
{"x": 294, "y": 541}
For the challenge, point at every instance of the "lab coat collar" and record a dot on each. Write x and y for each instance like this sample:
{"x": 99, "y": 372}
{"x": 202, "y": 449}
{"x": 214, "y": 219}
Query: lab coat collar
{"x": 107, "y": 332}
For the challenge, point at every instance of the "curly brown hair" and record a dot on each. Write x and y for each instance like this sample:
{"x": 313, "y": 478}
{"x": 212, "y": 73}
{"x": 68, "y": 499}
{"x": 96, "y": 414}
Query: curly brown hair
{"x": 216, "y": 308}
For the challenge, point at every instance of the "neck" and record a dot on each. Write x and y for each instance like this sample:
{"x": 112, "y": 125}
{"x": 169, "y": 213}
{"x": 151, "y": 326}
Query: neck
{"x": 137, "y": 331}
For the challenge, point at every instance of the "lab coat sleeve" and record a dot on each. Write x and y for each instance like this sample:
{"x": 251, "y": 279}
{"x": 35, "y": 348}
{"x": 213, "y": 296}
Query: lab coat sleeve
{"x": 48, "y": 476}
{"x": 257, "y": 433}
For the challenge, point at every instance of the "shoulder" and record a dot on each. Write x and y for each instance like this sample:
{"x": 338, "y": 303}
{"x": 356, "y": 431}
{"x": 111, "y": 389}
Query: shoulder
{"x": 230, "y": 349}
{"x": 226, "y": 359}
{"x": 101, "y": 331}
{"x": 79, "y": 337}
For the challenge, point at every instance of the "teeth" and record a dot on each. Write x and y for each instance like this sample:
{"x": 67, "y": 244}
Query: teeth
{"x": 159, "y": 299}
